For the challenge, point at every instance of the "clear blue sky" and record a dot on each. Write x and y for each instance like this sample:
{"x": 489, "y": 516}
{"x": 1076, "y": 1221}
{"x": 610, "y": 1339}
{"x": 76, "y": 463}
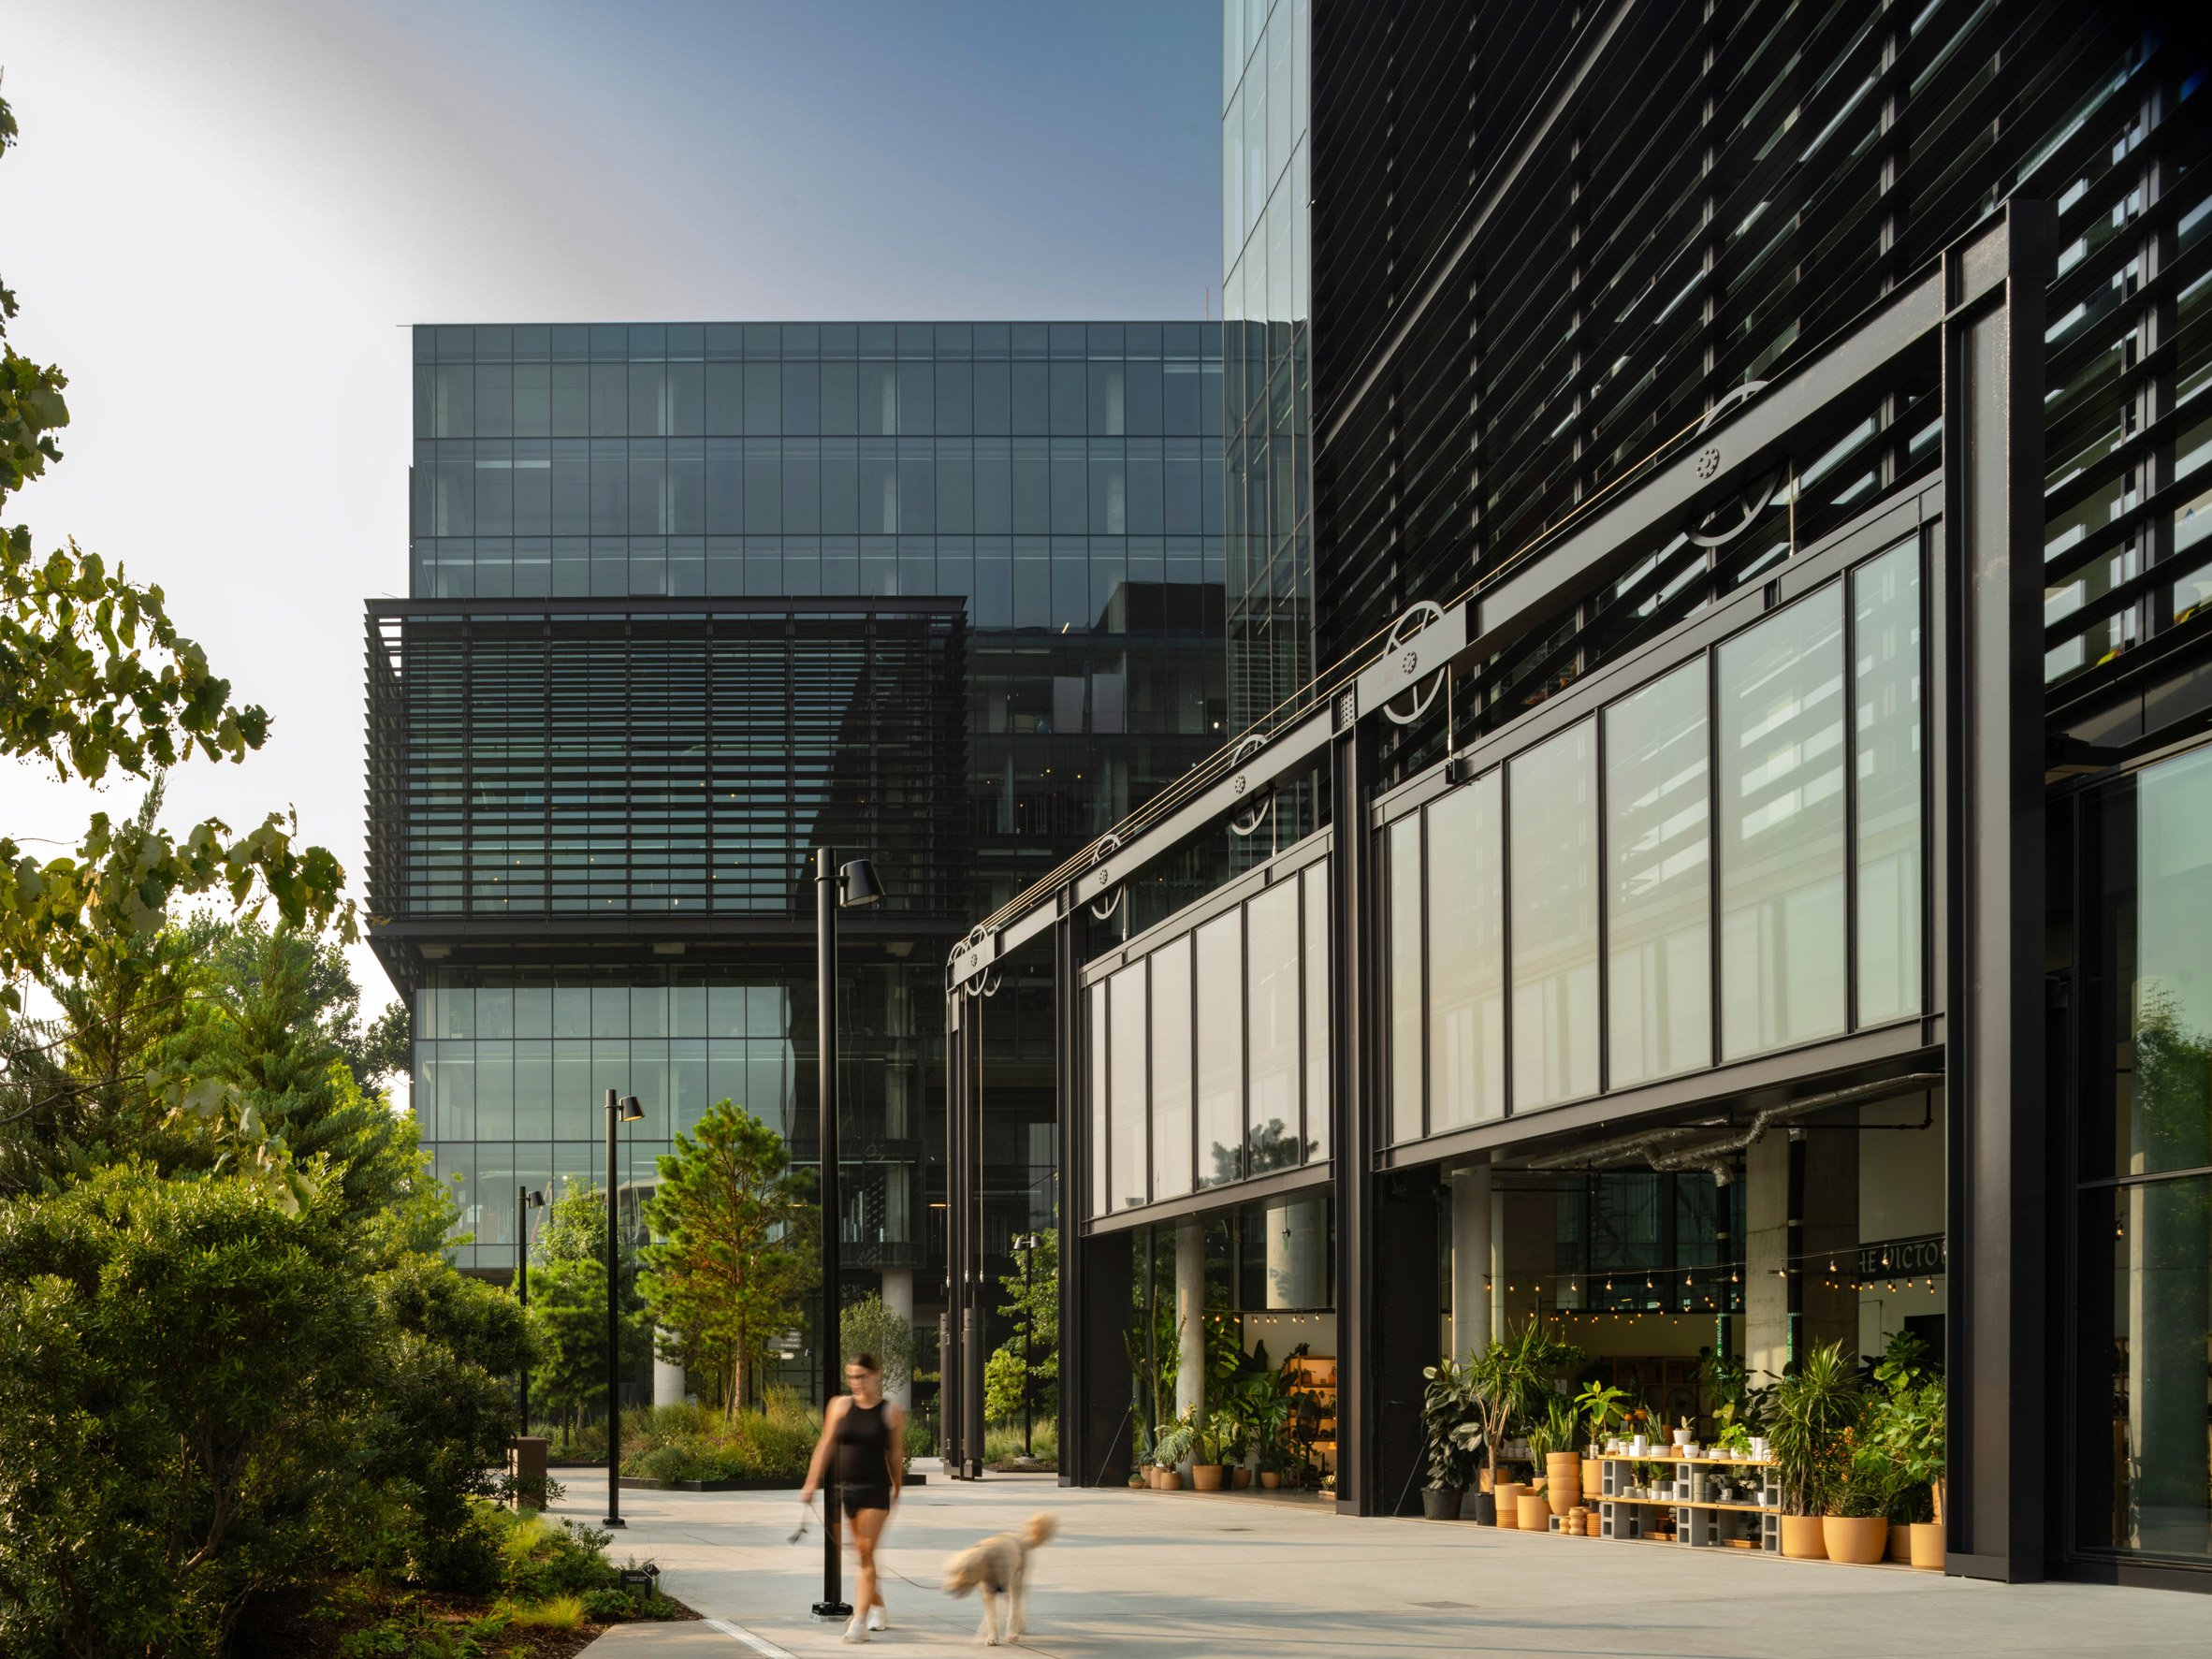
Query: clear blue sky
{"x": 223, "y": 214}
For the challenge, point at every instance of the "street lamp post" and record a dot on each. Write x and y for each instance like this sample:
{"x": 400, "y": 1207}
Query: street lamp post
{"x": 617, "y": 1111}
{"x": 836, "y": 887}
{"x": 1025, "y": 1246}
{"x": 525, "y": 1201}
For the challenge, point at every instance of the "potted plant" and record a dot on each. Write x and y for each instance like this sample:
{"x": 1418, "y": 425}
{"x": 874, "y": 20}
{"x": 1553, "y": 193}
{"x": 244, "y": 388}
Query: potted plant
{"x": 1509, "y": 1378}
{"x": 1815, "y": 1409}
{"x": 1207, "y": 1464}
{"x": 1600, "y": 1404}
{"x": 1906, "y": 1426}
{"x": 1563, "y": 1463}
{"x": 1447, "y": 1419}
{"x": 1855, "y": 1526}
{"x": 1174, "y": 1448}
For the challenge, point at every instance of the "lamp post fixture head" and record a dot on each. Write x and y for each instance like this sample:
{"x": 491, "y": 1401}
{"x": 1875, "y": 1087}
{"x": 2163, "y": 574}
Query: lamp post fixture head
{"x": 537, "y": 1201}
{"x": 631, "y": 1111}
{"x": 1025, "y": 1242}
{"x": 857, "y": 885}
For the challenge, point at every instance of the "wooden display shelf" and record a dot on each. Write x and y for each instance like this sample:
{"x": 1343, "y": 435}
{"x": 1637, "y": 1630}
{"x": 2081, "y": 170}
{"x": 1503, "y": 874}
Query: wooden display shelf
{"x": 1629, "y": 1456}
{"x": 1686, "y": 1503}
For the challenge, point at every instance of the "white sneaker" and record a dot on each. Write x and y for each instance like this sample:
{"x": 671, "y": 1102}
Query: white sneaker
{"x": 876, "y": 1619}
{"x": 856, "y": 1631}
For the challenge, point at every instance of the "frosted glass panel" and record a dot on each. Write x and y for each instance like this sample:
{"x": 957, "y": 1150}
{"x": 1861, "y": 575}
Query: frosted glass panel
{"x": 1466, "y": 957}
{"x": 1270, "y": 1010}
{"x": 1220, "y": 1051}
{"x": 1886, "y": 716}
{"x": 1659, "y": 874}
{"x": 1405, "y": 979}
{"x": 1097, "y": 1114}
{"x": 1127, "y": 1080}
{"x": 1171, "y": 1070}
{"x": 1554, "y": 852}
{"x": 1317, "y": 1095}
{"x": 1782, "y": 829}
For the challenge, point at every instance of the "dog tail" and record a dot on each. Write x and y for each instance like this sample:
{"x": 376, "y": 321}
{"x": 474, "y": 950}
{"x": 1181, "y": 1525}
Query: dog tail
{"x": 1040, "y": 1531}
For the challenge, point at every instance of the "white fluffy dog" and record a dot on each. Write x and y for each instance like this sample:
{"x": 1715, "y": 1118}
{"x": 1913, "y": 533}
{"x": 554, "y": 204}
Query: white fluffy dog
{"x": 1000, "y": 1566}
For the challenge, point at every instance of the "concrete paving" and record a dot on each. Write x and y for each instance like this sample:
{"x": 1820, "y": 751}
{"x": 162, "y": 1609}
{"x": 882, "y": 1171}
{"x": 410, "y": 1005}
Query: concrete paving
{"x": 1196, "y": 1576}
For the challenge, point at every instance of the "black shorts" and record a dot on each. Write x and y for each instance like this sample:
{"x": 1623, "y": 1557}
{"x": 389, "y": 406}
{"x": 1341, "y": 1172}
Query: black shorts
{"x": 854, "y": 1499}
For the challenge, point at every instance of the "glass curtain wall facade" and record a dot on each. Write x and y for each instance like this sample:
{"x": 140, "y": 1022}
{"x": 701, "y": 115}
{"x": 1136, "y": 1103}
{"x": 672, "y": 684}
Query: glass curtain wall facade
{"x": 1057, "y": 486}
{"x": 1265, "y": 306}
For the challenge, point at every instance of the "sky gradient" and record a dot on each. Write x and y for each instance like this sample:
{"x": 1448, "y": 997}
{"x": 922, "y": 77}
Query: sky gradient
{"x": 222, "y": 217}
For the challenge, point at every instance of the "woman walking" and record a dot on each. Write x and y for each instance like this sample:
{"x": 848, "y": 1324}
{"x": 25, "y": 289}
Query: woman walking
{"x": 865, "y": 1435}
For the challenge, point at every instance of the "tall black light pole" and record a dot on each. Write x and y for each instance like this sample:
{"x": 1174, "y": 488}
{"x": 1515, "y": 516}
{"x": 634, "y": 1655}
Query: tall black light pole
{"x": 617, "y": 1111}
{"x": 1025, "y": 1246}
{"x": 525, "y": 1201}
{"x": 836, "y": 887}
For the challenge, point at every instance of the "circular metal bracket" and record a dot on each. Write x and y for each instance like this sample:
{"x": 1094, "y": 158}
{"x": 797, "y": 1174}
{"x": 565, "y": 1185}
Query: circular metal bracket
{"x": 1403, "y": 633}
{"x": 1754, "y": 501}
{"x": 987, "y": 983}
{"x": 1111, "y": 844}
{"x": 1249, "y": 821}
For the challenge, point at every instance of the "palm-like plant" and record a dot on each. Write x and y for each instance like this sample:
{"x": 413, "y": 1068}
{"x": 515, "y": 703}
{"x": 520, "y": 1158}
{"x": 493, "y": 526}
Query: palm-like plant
{"x": 1815, "y": 1409}
{"x": 1514, "y": 1379}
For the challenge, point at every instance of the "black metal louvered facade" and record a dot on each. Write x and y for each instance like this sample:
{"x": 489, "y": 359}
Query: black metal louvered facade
{"x": 659, "y": 769}
{"x": 1549, "y": 240}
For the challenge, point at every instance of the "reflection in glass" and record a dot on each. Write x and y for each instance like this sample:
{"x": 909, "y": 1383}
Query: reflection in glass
{"x": 2147, "y": 1289}
{"x": 1125, "y": 1130}
{"x": 1659, "y": 896}
{"x": 1220, "y": 1051}
{"x": 1171, "y": 1070}
{"x": 1318, "y": 1093}
{"x": 1885, "y": 720}
{"x": 1553, "y": 843}
{"x": 1404, "y": 990}
{"x": 1270, "y": 1011}
{"x": 1782, "y": 829}
{"x": 1466, "y": 957}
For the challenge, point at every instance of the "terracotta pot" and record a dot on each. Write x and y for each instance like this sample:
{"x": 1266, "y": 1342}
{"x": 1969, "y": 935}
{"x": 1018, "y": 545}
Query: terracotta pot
{"x": 1900, "y": 1541}
{"x": 1563, "y": 1479}
{"x": 1927, "y": 1545}
{"x": 1594, "y": 1477}
{"x": 1857, "y": 1540}
{"x": 1205, "y": 1476}
{"x": 1239, "y": 1477}
{"x": 1595, "y": 1523}
{"x": 1136, "y": 1483}
{"x": 1802, "y": 1538}
{"x": 1508, "y": 1494}
{"x": 1270, "y": 1480}
{"x": 1171, "y": 1480}
{"x": 1440, "y": 1503}
{"x": 1535, "y": 1514}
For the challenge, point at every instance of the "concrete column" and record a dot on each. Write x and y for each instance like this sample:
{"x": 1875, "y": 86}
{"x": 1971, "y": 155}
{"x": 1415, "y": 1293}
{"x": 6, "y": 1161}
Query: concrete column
{"x": 1766, "y": 1253}
{"x": 668, "y": 1380}
{"x": 1297, "y": 1253}
{"x": 1471, "y": 1240}
{"x": 1191, "y": 1309}
{"x": 898, "y": 1298}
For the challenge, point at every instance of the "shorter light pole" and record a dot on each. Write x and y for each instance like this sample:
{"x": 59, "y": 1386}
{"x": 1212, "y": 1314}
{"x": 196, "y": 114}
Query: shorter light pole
{"x": 1024, "y": 1245}
{"x": 525, "y": 1201}
{"x": 626, "y": 1111}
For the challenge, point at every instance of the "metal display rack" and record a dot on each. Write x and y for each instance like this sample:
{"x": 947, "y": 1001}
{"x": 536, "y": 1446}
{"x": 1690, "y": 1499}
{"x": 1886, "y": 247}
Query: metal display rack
{"x": 1701, "y": 1524}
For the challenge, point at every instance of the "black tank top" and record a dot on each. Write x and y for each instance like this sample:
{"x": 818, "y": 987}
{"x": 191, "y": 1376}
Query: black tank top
{"x": 863, "y": 1446}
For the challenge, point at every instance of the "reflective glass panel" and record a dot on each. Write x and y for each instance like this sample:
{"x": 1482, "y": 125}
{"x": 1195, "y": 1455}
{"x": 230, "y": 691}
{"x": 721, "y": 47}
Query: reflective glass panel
{"x": 1220, "y": 1050}
{"x": 1659, "y": 875}
{"x": 1553, "y": 842}
{"x": 1171, "y": 1070}
{"x": 1318, "y": 1093}
{"x": 1466, "y": 957}
{"x": 1270, "y": 1010}
{"x": 1886, "y": 721}
{"x": 1124, "y": 1128}
{"x": 1406, "y": 978}
{"x": 1782, "y": 829}
{"x": 1099, "y": 1144}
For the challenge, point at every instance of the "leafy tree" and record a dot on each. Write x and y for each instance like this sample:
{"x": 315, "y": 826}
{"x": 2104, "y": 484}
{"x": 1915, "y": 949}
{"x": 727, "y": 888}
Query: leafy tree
{"x": 568, "y": 1302}
{"x": 867, "y": 1326}
{"x": 732, "y": 1262}
{"x": 95, "y": 679}
{"x": 1035, "y": 1310}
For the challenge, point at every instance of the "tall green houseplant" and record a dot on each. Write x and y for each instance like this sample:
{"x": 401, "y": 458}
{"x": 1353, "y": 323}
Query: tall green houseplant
{"x": 1815, "y": 1409}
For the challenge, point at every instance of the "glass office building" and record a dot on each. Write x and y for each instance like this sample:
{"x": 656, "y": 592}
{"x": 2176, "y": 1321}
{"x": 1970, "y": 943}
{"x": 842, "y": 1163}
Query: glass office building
{"x": 687, "y": 600}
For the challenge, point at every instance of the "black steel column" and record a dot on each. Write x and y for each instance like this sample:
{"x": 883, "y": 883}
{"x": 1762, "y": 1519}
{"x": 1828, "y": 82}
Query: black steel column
{"x": 952, "y": 1343}
{"x": 1352, "y": 1137}
{"x": 1079, "y": 1381}
{"x": 522, "y": 1288}
{"x": 832, "y": 1358}
{"x": 613, "y": 1344}
{"x": 1991, "y": 654}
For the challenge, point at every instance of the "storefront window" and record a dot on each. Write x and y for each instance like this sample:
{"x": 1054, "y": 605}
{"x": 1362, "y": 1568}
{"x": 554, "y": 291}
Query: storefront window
{"x": 1099, "y": 1204}
{"x": 1315, "y": 883}
{"x": 1220, "y": 1051}
{"x": 1270, "y": 968}
{"x": 1466, "y": 905}
{"x": 1783, "y": 957}
{"x": 1171, "y": 1070}
{"x": 1405, "y": 979}
{"x": 1553, "y": 838}
{"x": 1885, "y": 728}
{"x": 1126, "y": 1131}
{"x": 1659, "y": 896}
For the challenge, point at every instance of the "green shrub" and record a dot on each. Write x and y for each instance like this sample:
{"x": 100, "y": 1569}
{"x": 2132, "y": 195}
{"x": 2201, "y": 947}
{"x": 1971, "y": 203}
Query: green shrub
{"x": 609, "y": 1607}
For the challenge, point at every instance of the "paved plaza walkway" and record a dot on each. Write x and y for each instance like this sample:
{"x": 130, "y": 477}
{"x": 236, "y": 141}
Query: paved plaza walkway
{"x": 1193, "y": 1576}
